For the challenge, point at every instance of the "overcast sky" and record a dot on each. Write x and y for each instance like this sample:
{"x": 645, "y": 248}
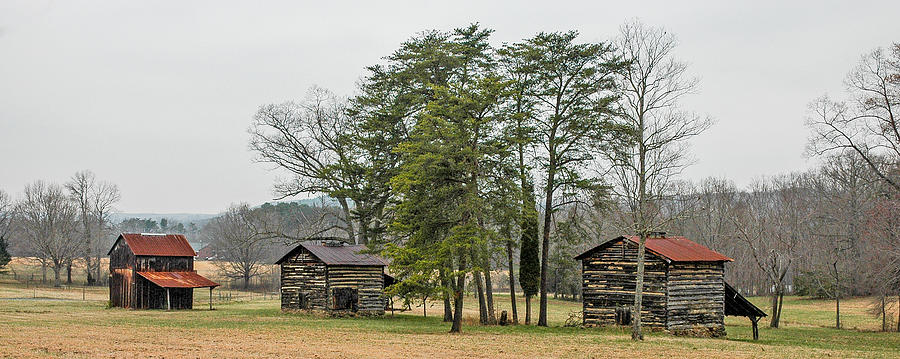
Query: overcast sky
{"x": 157, "y": 96}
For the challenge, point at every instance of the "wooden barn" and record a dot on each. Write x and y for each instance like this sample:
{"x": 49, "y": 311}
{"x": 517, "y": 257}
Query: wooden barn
{"x": 153, "y": 271}
{"x": 684, "y": 286}
{"x": 332, "y": 276}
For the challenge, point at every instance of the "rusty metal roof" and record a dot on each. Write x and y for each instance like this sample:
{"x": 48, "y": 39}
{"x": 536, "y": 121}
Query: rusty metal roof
{"x": 157, "y": 244}
{"x": 178, "y": 279}
{"x": 673, "y": 248}
{"x": 337, "y": 254}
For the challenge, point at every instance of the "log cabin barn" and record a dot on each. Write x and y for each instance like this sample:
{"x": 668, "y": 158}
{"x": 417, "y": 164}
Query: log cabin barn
{"x": 332, "y": 276}
{"x": 154, "y": 271}
{"x": 684, "y": 286}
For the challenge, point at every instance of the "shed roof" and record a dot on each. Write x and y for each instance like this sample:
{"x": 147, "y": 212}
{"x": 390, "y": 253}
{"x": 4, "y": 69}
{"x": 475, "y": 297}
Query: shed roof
{"x": 156, "y": 244}
{"x": 737, "y": 305}
{"x": 337, "y": 254}
{"x": 673, "y": 248}
{"x": 178, "y": 279}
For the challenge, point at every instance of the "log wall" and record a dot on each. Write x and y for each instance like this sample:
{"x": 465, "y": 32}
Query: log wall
{"x": 609, "y": 279}
{"x": 367, "y": 280}
{"x": 309, "y": 284}
{"x": 303, "y": 275}
{"x": 696, "y": 301}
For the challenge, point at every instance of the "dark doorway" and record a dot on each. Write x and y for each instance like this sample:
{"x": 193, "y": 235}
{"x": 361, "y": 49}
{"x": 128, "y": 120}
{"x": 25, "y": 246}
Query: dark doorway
{"x": 346, "y": 299}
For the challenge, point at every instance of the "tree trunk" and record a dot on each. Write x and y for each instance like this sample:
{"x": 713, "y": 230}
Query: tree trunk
{"x": 458, "y": 295}
{"x": 883, "y": 315}
{"x": 489, "y": 295}
{"x": 424, "y": 307}
{"x": 776, "y": 311}
{"x": 482, "y": 306}
{"x": 56, "y": 275}
{"x": 636, "y": 333}
{"x": 837, "y": 312}
{"x": 837, "y": 297}
{"x": 351, "y": 232}
{"x": 43, "y": 272}
{"x": 545, "y": 245}
{"x": 448, "y": 310}
{"x": 69, "y": 273}
{"x": 246, "y": 278}
{"x": 512, "y": 281}
{"x": 527, "y": 309}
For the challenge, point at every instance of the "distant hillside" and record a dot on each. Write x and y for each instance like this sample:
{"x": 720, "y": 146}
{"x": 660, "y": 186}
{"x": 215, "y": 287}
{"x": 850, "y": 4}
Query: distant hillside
{"x": 197, "y": 218}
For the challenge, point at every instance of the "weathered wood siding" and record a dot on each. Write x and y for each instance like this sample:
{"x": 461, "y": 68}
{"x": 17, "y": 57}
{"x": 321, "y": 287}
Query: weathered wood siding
{"x": 121, "y": 276}
{"x": 127, "y": 289}
{"x": 696, "y": 299}
{"x": 303, "y": 275}
{"x": 609, "y": 279}
{"x": 367, "y": 280}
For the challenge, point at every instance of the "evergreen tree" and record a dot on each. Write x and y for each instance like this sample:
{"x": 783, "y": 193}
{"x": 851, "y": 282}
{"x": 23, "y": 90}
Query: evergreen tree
{"x": 529, "y": 261}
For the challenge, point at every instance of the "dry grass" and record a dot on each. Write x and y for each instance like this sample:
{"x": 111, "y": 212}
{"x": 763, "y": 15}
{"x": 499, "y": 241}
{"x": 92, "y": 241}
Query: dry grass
{"x": 55, "y": 322}
{"x": 257, "y": 328}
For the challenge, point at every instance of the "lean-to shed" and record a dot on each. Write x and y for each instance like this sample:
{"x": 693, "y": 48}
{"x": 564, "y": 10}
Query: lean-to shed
{"x": 332, "y": 276}
{"x": 153, "y": 271}
{"x": 684, "y": 285}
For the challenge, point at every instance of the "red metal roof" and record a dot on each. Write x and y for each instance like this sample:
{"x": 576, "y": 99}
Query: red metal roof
{"x": 152, "y": 244}
{"x": 680, "y": 249}
{"x": 673, "y": 248}
{"x": 178, "y": 279}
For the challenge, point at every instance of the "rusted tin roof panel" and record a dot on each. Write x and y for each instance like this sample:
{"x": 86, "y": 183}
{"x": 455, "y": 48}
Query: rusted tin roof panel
{"x": 680, "y": 249}
{"x": 673, "y": 248}
{"x": 338, "y": 254}
{"x": 164, "y": 245}
{"x": 178, "y": 279}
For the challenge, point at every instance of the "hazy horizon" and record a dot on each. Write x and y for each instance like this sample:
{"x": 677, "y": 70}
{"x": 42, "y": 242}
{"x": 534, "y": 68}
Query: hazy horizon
{"x": 157, "y": 97}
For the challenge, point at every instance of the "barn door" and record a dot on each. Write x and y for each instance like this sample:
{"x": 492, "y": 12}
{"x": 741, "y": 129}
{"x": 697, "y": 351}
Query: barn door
{"x": 346, "y": 299}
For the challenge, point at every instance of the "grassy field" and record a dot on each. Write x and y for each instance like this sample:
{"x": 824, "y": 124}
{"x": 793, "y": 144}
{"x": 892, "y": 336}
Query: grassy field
{"x": 41, "y": 321}
{"x": 58, "y": 323}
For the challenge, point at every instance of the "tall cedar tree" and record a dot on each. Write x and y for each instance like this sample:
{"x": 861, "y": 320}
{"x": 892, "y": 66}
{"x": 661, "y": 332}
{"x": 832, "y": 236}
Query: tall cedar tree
{"x": 574, "y": 92}
{"x": 529, "y": 261}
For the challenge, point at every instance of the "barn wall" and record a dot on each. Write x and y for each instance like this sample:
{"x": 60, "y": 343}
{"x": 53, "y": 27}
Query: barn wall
{"x": 121, "y": 276}
{"x": 696, "y": 299}
{"x": 304, "y": 274}
{"x": 164, "y": 264}
{"x": 609, "y": 280}
{"x": 367, "y": 280}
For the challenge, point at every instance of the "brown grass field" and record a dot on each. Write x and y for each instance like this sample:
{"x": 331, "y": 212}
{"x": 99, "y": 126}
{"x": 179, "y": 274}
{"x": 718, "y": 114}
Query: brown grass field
{"x": 56, "y": 322}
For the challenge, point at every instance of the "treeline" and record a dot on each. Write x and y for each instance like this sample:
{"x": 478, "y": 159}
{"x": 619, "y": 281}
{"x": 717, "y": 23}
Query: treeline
{"x": 60, "y": 225}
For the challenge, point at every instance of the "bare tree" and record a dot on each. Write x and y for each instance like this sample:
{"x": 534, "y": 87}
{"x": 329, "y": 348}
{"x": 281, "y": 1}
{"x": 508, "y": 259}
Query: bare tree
{"x": 94, "y": 200}
{"x": 242, "y": 238}
{"x": 49, "y": 220}
{"x": 652, "y": 86}
{"x": 773, "y": 221}
{"x": 307, "y": 139}
{"x": 868, "y": 123}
